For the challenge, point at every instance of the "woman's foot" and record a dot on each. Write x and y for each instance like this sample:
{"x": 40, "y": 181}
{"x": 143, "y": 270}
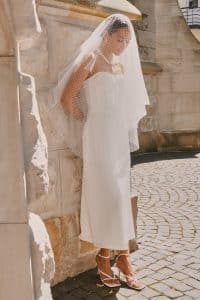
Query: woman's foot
{"x": 123, "y": 263}
{"x": 105, "y": 271}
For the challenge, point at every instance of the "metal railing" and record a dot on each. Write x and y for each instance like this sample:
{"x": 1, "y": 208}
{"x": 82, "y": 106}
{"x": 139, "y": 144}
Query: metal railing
{"x": 192, "y": 16}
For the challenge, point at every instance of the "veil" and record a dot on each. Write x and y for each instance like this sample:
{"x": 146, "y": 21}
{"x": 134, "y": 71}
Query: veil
{"x": 134, "y": 95}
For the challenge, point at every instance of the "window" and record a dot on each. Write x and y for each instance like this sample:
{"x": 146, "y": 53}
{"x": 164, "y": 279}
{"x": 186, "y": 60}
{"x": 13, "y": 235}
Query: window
{"x": 193, "y": 4}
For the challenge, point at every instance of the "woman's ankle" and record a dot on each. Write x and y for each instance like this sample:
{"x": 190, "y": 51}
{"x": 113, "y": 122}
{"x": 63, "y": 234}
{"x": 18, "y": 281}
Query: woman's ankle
{"x": 104, "y": 252}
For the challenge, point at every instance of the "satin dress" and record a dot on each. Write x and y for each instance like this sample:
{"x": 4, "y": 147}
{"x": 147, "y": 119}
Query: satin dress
{"x": 106, "y": 217}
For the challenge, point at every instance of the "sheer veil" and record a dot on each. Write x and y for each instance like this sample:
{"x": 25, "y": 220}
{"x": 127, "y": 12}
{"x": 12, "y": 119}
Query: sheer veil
{"x": 134, "y": 96}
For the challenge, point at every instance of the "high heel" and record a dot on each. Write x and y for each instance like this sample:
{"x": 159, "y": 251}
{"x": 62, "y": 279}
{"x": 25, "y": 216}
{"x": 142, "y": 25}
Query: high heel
{"x": 135, "y": 284}
{"x": 108, "y": 277}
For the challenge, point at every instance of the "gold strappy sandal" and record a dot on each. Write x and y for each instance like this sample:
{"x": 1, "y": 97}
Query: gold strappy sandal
{"x": 135, "y": 284}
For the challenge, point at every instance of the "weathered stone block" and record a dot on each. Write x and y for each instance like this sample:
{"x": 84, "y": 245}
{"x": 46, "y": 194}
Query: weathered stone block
{"x": 70, "y": 225}
{"x": 86, "y": 247}
{"x": 25, "y": 19}
{"x": 15, "y": 262}
{"x": 164, "y": 83}
{"x": 49, "y": 205}
{"x": 165, "y": 121}
{"x": 186, "y": 103}
{"x": 34, "y": 56}
{"x": 188, "y": 82}
{"x": 71, "y": 177}
{"x": 178, "y": 140}
{"x": 165, "y": 103}
{"x": 6, "y": 41}
{"x": 12, "y": 190}
{"x": 185, "y": 121}
{"x": 148, "y": 141}
{"x": 146, "y": 38}
{"x": 54, "y": 231}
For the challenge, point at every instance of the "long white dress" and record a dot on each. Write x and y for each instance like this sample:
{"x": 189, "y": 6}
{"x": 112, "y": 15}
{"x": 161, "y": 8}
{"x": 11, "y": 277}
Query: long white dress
{"x": 106, "y": 216}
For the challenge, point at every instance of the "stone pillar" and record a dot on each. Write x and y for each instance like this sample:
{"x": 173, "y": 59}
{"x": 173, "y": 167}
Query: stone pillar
{"x": 15, "y": 260}
{"x": 18, "y": 22}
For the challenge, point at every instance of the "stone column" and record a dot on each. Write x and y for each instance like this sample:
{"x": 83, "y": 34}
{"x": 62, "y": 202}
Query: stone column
{"x": 15, "y": 276}
{"x": 18, "y": 22}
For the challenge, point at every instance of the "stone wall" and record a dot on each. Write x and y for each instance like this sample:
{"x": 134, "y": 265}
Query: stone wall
{"x": 146, "y": 36}
{"x": 177, "y": 91}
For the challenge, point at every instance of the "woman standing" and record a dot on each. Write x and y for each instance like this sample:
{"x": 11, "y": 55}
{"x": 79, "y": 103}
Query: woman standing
{"x": 103, "y": 89}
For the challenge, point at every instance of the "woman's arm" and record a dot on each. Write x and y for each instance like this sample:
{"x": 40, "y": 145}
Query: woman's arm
{"x": 73, "y": 86}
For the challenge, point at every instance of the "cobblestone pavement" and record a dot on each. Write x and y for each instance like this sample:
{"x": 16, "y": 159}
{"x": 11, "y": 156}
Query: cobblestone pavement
{"x": 168, "y": 259}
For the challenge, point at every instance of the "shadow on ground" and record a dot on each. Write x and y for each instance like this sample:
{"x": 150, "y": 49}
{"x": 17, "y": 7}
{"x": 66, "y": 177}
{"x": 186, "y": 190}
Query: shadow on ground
{"x": 138, "y": 158}
{"x": 85, "y": 286}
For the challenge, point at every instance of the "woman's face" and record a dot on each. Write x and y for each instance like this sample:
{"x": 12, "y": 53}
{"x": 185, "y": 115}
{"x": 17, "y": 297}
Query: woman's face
{"x": 119, "y": 40}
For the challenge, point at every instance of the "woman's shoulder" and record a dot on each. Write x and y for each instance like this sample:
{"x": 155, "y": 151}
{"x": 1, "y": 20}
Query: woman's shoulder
{"x": 89, "y": 60}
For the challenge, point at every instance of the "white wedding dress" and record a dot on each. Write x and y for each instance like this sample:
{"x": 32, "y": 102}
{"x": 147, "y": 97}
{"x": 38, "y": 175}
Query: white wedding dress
{"x": 106, "y": 215}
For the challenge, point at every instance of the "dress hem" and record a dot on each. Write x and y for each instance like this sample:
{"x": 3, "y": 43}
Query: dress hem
{"x": 107, "y": 247}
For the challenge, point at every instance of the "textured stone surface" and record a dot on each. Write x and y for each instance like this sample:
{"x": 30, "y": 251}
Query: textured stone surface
{"x": 12, "y": 194}
{"x": 15, "y": 262}
{"x": 6, "y": 42}
{"x": 34, "y": 141}
{"x": 176, "y": 92}
{"x": 177, "y": 86}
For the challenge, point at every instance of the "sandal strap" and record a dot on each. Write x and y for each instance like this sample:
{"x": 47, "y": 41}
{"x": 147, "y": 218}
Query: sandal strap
{"x": 126, "y": 254}
{"x": 108, "y": 276}
{"x": 133, "y": 277}
{"x": 103, "y": 256}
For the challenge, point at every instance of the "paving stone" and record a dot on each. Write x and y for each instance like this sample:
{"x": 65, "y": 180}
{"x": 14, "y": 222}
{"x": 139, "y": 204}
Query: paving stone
{"x": 127, "y": 292}
{"x": 195, "y": 293}
{"x": 161, "y": 298}
{"x": 149, "y": 293}
{"x": 179, "y": 276}
{"x": 178, "y": 285}
{"x": 192, "y": 282}
{"x": 137, "y": 297}
{"x": 185, "y": 298}
{"x": 161, "y": 287}
{"x": 148, "y": 281}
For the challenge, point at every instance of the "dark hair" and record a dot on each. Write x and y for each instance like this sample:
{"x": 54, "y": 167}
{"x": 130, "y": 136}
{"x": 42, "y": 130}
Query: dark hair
{"x": 117, "y": 24}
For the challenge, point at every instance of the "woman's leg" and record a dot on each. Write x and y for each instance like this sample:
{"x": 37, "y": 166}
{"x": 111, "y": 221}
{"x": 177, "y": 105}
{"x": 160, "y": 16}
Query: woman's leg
{"x": 104, "y": 265}
{"x": 123, "y": 262}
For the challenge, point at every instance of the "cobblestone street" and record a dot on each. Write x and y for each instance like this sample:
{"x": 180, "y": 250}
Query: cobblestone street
{"x": 168, "y": 258}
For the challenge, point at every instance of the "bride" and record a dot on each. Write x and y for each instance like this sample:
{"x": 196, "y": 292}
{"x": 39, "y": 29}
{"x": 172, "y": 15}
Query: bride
{"x": 103, "y": 90}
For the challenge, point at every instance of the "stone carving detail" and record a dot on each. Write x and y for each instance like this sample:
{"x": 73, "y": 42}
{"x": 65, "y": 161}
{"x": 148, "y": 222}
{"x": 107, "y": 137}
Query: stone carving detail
{"x": 34, "y": 140}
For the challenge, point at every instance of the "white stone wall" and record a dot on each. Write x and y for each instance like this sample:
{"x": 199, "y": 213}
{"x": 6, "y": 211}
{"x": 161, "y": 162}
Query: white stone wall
{"x": 178, "y": 88}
